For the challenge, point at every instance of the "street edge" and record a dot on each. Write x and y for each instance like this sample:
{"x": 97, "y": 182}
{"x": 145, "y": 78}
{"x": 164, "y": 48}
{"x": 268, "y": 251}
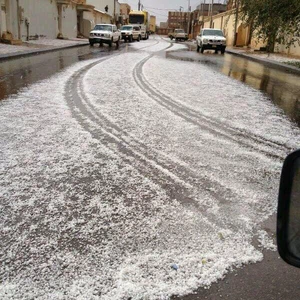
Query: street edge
{"x": 38, "y": 52}
{"x": 272, "y": 64}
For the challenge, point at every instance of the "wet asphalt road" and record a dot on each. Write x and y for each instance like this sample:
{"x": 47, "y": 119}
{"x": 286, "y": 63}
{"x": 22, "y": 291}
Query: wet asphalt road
{"x": 282, "y": 88}
{"x": 270, "y": 279}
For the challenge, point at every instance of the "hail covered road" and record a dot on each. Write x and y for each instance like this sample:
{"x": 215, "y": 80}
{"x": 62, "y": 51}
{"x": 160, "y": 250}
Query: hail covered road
{"x": 134, "y": 176}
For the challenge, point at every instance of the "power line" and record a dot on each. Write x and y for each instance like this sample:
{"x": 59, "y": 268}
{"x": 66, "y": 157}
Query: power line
{"x": 160, "y": 8}
{"x": 156, "y": 13}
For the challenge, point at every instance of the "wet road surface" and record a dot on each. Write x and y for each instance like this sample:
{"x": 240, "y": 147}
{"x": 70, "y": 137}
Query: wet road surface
{"x": 116, "y": 200}
{"x": 282, "y": 88}
{"x": 22, "y": 72}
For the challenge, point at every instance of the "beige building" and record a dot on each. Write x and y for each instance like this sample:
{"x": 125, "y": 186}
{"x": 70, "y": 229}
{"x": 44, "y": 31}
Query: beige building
{"x": 124, "y": 12}
{"x": 125, "y": 9}
{"x": 152, "y": 24}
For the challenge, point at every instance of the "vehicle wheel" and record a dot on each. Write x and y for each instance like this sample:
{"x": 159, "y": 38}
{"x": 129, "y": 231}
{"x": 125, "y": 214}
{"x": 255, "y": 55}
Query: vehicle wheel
{"x": 91, "y": 44}
{"x": 130, "y": 39}
{"x": 198, "y": 48}
{"x": 216, "y": 51}
{"x": 223, "y": 50}
{"x": 202, "y": 49}
{"x": 171, "y": 38}
{"x": 139, "y": 38}
{"x": 110, "y": 43}
{"x": 176, "y": 39}
{"x": 101, "y": 45}
{"x": 147, "y": 36}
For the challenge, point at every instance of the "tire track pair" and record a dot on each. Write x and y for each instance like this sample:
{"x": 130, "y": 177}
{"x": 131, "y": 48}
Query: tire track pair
{"x": 213, "y": 126}
{"x": 176, "y": 179}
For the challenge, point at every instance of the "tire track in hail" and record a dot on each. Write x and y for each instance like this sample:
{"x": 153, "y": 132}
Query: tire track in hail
{"x": 213, "y": 126}
{"x": 135, "y": 153}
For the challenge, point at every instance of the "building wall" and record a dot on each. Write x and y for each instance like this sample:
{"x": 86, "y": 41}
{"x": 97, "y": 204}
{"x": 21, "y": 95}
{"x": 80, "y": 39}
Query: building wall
{"x": 42, "y": 16}
{"x": 11, "y": 17}
{"x": 152, "y": 23}
{"x": 101, "y": 18}
{"x": 69, "y": 22}
{"x": 293, "y": 50}
{"x": 2, "y": 17}
{"x": 163, "y": 31}
{"x": 177, "y": 20}
{"x": 124, "y": 9}
{"x": 88, "y": 23}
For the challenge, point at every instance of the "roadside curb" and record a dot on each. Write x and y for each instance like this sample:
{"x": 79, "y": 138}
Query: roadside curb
{"x": 269, "y": 63}
{"x": 38, "y": 51}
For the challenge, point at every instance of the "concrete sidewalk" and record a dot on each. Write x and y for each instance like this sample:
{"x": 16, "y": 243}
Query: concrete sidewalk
{"x": 38, "y": 47}
{"x": 274, "y": 60}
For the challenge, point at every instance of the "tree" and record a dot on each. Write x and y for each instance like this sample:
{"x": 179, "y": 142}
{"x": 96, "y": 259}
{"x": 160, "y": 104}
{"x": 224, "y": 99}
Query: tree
{"x": 273, "y": 20}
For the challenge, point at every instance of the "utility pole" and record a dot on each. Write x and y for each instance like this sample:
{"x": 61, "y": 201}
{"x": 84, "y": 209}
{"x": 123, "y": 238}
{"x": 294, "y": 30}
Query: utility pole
{"x": 189, "y": 17}
{"x": 203, "y": 7}
{"x": 139, "y": 5}
{"x": 114, "y": 12}
{"x": 181, "y": 22}
{"x": 211, "y": 13}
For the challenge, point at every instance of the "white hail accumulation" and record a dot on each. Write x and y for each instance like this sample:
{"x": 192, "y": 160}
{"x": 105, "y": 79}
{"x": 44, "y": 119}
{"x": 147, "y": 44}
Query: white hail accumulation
{"x": 172, "y": 209}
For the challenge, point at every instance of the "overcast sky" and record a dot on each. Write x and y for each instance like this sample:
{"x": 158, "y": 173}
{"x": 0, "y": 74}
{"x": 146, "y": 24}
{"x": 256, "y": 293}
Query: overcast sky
{"x": 160, "y": 8}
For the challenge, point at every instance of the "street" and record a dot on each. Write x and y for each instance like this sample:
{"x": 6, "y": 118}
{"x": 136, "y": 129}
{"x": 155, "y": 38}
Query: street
{"x": 147, "y": 172}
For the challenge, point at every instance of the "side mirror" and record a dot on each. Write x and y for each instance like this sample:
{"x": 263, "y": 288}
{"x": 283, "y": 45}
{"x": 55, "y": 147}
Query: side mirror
{"x": 288, "y": 214}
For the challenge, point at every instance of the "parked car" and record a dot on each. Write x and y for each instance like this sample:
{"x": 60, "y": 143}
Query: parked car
{"x": 211, "y": 39}
{"x": 178, "y": 34}
{"x": 144, "y": 32}
{"x": 130, "y": 33}
{"x": 105, "y": 34}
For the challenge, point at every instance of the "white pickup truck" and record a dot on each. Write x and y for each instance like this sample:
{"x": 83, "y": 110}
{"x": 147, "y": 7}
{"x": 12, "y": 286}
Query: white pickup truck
{"x": 105, "y": 34}
{"x": 178, "y": 34}
{"x": 211, "y": 39}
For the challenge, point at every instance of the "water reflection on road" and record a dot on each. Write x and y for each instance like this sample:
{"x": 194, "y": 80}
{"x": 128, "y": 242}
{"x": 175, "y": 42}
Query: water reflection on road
{"x": 281, "y": 87}
{"x": 19, "y": 73}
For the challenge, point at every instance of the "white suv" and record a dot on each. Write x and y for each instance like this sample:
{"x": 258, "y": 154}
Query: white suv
{"x": 131, "y": 32}
{"x": 210, "y": 38}
{"x": 105, "y": 34}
